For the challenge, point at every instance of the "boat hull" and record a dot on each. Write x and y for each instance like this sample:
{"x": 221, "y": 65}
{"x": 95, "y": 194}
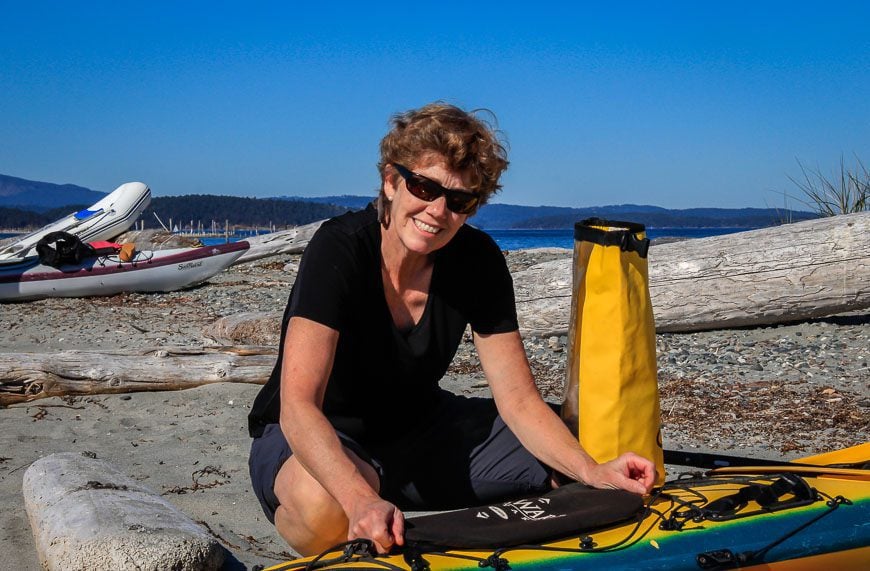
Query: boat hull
{"x": 149, "y": 271}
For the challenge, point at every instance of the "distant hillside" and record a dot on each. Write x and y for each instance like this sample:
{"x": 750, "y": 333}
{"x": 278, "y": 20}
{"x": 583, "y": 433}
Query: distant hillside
{"x": 31, "y": 204}
{"x": 37, "y": 196}
{"x": 238, "y": 210}
{"x": 498, "y": 216}
{"x": 350, "y": 201}
{"x": 18, "y": 218}
{"x": 512, "y": 216}
{"x": 20, "y": 199}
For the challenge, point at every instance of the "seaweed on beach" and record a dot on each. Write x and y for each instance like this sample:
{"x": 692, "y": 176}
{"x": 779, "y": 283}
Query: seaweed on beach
{"x": 220, "y": 478}
{"x": 717, "y": 412}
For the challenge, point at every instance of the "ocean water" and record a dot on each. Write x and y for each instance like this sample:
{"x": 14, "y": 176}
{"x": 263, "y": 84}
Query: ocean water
{"x": 564, "y": 237}
{"x": 559, "y": 238}
{"x": 525, "y": 239}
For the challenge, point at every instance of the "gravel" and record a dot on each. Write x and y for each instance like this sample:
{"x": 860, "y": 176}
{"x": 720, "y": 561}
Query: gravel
{"x": 794, "y": 388}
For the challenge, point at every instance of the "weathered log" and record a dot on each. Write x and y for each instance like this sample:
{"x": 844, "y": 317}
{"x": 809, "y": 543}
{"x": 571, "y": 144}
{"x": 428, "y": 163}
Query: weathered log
{"x": 248, "y": 328}
{"x": 292, "y": 241}
{"x": 157, "y": 240}
{"x": 87, "y": 515}
{"x": 29, "y": 376}
{"x": 773, "y": 275}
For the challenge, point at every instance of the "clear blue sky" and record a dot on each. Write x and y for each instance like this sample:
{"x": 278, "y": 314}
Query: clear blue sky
{"x": 674, "y": 104}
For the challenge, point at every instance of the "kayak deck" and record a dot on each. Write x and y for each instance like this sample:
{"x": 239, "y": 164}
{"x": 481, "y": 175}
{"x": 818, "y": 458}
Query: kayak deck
{"x": 679, "y": 530}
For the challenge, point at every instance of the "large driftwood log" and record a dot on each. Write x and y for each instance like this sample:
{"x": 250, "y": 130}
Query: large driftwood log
{"x": 292, "y": 241}
{"x": 29, "y": 376}
{"x": 773, "y": 275}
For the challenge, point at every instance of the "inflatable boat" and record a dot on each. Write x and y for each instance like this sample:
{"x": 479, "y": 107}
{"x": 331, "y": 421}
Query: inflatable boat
{"x": 109, "y": 217}
{"x": 146, "y": 271}
{"x": 808, "y": 514}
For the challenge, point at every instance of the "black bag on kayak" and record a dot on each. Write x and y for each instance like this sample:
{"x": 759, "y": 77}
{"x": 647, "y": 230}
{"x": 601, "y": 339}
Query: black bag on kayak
{"x": 56, "y": 249}
{"x": 564, "y": 512}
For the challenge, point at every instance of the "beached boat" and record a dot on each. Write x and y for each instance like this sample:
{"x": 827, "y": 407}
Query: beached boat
{"x": 809, "y": 514}
{"x": 147, "y": 271}
{"x": 109, "y": 217}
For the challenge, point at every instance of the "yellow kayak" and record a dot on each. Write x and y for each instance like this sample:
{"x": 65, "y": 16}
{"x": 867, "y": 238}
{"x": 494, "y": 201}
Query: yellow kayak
{"x": 813, "y": 513}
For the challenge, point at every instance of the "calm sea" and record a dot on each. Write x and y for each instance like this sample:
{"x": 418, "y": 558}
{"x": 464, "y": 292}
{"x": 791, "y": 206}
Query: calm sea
{"x": 562, "y": 238}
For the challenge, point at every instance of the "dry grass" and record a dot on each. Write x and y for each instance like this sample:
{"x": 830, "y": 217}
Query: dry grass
{"x": 845, "y": 192}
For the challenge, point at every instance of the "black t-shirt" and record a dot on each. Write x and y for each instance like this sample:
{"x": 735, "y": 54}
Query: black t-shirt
{"x": 383, "y": 378}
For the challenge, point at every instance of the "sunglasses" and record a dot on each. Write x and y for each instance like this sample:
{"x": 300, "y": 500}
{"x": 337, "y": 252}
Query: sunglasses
{"x": 460, "y": 202}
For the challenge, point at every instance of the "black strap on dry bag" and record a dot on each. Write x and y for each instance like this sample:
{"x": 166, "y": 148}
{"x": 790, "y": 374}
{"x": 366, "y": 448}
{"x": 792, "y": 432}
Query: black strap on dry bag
{"x": 622, "y": 234}
{"x": 60, "y": 248}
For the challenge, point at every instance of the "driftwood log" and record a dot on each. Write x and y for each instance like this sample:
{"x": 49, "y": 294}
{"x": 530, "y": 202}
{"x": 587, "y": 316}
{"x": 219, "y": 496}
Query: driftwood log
{"x": 773, "y": 275}
{"x": 156, "y": 240}
{"x": 292, "y": 241}
{"x": 29, "y": 376}
{"x": 248, "y": 328}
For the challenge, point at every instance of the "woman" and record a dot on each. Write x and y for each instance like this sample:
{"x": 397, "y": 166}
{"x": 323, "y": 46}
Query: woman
{"x": 352, "y": 427}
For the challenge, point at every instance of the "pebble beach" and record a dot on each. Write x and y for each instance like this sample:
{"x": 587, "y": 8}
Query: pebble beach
{"x": 777, "y": 391}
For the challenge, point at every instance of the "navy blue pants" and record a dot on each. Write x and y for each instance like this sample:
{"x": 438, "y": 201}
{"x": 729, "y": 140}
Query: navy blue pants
{"x": 467, "y": 456}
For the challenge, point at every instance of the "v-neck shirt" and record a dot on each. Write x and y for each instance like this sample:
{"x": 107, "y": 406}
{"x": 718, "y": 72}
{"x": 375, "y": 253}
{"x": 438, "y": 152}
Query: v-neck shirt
{"x": 384, "y": 379}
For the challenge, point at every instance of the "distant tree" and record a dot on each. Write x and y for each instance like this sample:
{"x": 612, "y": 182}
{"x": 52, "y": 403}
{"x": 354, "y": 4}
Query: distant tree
{"x": 61, "y": 212}
{"x": 17, "y": 218}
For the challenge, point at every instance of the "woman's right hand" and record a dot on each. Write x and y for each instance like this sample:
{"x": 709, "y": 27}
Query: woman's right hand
{"x": 628, "y": 472}
{"x": 379, "y": 520}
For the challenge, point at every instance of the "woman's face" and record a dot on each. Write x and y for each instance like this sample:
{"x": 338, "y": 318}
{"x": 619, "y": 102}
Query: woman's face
{"x": 422, "y": 227}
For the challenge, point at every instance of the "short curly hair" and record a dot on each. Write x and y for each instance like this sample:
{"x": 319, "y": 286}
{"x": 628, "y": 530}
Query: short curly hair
{"x": 467, "y": 143}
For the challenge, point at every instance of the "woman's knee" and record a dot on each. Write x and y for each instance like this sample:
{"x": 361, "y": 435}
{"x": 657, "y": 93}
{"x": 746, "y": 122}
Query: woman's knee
{"x": 303, "y": 497}
{"x": 308, "y": 517}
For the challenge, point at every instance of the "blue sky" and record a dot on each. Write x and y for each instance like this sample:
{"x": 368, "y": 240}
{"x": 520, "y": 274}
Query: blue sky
{"x": 678, "y": 104}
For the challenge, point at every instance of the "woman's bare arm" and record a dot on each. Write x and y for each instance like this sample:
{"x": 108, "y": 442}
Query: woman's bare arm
{"x": 309, "y": 351}
{"x": 540, "y": 430}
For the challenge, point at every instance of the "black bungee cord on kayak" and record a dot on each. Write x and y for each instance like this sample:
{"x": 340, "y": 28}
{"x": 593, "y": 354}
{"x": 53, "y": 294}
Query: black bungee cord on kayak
{"x": 721, "y": 559}
{"x": 356, "y": 551}
{"x": 695, "y": 509}
{"x": 141, "y": 258}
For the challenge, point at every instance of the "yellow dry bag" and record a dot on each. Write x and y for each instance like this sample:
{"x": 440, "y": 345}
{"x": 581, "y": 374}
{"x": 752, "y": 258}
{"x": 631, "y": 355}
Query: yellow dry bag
{"x": 611, "y": 393}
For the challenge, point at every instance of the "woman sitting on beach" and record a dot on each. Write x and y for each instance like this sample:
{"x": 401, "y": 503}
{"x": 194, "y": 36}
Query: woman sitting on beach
{"x": 352, "y": 427}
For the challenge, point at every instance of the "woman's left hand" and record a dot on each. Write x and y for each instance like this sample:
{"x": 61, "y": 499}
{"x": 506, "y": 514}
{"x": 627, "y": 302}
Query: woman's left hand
{"x": 628, "y": 472}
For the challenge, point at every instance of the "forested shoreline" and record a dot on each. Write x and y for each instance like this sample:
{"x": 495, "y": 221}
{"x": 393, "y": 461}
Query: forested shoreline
{"x": 205, "y": 211}
{"x": 195, "y": 209}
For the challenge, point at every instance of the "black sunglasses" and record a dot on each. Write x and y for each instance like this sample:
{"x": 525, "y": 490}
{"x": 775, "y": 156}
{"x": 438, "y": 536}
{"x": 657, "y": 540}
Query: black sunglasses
{"x": 458, "y": 201}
